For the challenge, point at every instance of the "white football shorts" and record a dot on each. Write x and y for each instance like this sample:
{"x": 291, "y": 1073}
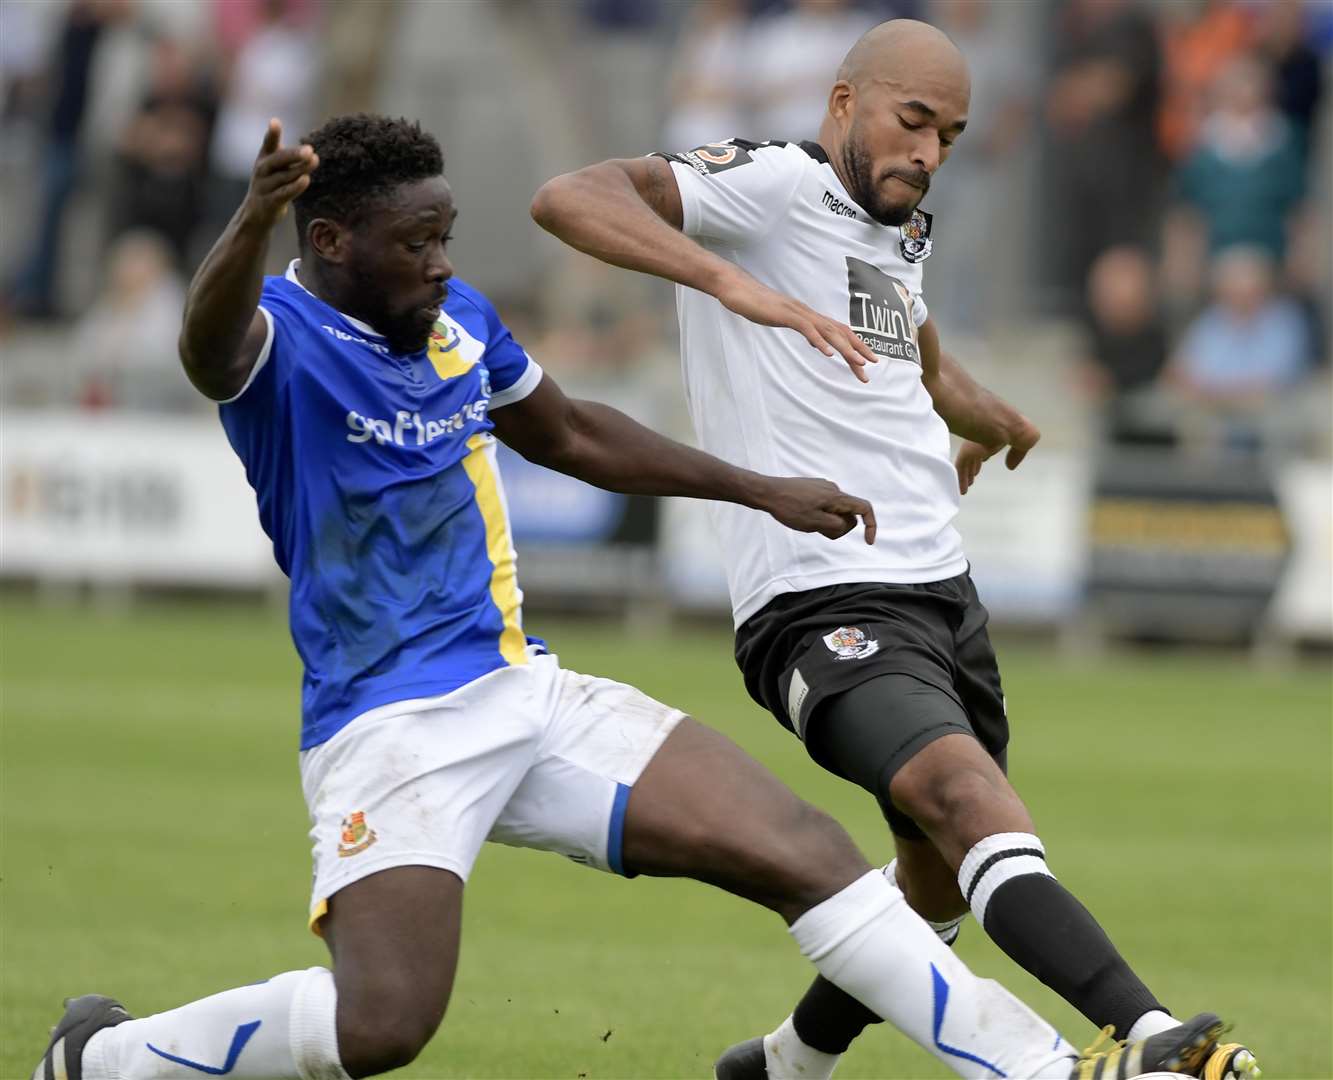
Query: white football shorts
{"x": 530, "y": 756}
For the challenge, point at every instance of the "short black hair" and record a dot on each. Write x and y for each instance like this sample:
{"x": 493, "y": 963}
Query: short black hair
{"x": 362, "y": 157}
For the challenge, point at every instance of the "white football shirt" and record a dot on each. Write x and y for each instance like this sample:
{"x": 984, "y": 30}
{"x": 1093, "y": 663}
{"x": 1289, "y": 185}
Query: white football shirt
{"x": 764, "y": 398}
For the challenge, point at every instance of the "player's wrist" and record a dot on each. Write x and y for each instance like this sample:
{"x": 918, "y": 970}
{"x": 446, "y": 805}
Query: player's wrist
{"x": 755, "y": 490}
{"x": 720, "y": 277}
{"x": 253, "y": 221}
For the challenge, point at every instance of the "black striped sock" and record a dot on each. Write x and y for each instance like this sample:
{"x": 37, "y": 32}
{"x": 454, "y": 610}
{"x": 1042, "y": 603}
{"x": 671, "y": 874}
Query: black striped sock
{"x": 1042, "y": 926}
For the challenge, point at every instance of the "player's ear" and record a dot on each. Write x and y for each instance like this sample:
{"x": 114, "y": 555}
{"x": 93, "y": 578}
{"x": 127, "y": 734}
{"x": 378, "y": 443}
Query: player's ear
{"x": 840, "y": 100}
{"x": 327, "y": 239}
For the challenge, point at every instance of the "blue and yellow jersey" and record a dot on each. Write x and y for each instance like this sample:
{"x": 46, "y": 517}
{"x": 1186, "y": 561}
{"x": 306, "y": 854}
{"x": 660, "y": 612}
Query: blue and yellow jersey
{"x": 376, "y": 480}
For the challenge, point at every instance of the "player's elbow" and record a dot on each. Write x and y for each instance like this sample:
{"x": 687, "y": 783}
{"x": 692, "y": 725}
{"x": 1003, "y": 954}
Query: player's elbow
{"x": 215, "y": 381}
{"x": 563, "y": 200}
{"x": 548, "y": 203}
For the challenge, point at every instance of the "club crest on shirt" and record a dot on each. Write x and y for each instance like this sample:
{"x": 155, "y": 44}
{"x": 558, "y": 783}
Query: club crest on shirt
{"x": 850, "y": 643}
{"x": 914, "y": 240}
{"x": 356, "y": 835}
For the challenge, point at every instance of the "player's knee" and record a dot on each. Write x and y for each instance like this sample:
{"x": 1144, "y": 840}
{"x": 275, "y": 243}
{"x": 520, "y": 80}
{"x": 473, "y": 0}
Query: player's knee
{"x": 948, "y": 799}
{"x": 816, "y": 859}
{"x": 384, "y": 1028}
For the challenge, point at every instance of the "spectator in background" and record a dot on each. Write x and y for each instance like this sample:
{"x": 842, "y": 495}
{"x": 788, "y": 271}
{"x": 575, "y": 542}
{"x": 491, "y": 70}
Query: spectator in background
{"x": 1198, "y": 44}
{"x": 791, "y": 61}
{"x": 1105, "y": 173}
{"x": 1244, "y": 183}
{"x": 125, "y": 344}
{"x": 1297, "y": 73}
{"x": 23, "y": 62}
{"x": 274, "y": 73}
{"x": 163, "y": 153}
{"x": 356, "y": 43}
{"x": 33, "y": 291}
{"x": 708, "y": 77}
{"x": 1247, "y": 346}
{"x": 1126, "y": 332}
{"x": 969, "y": 199}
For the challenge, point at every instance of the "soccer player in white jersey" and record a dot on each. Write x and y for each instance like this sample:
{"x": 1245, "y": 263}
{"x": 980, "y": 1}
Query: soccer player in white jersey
{"x": 876, "y": 657}
{"x": 358, "y": 390}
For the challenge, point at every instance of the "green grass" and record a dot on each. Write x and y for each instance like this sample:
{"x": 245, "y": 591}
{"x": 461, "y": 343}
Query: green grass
{"x": 154, "y": 847}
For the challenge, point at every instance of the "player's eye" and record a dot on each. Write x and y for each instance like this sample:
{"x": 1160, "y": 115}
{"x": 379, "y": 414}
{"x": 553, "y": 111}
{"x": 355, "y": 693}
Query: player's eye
{"x": 909, "y": 125}
{"x": 416, "y": 247}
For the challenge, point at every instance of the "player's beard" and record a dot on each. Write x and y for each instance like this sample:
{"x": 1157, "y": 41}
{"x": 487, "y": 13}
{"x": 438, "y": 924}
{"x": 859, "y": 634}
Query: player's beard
{"x": 406, "y": 331}
{"x": 865, "y": 189}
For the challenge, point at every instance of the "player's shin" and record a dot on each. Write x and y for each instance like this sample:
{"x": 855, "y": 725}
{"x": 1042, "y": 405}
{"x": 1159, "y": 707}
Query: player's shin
{"x": 866, "y": 940}
{"x": 1043, "y": 927}
{"x": 281, "y": 1028}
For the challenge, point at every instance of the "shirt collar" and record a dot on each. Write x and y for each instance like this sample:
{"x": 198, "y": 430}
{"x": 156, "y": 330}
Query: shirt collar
{"x": 365, "y": 328}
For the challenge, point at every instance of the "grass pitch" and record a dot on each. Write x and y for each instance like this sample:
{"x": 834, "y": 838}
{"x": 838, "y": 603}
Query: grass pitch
{"x": 154, "y": 848}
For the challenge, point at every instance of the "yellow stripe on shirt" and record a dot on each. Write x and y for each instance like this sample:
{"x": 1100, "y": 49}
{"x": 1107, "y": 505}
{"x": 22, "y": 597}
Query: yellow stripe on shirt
{"x": 480, "y": 467}
{"x": 448, "y": 363}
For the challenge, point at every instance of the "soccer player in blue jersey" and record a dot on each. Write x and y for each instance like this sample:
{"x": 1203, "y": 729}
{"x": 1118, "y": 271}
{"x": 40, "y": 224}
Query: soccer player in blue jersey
{"x": 364, "y": 390}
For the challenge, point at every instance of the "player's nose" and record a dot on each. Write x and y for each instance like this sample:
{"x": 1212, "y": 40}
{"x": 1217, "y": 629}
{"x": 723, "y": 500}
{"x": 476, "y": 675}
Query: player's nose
{"x": 439, "y": 269}
{"x": 926, "y": 153}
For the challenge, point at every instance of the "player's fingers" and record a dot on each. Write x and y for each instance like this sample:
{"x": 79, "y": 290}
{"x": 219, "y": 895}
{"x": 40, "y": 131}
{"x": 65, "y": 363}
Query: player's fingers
{"x": 859, "y": 344}
{"x": 280, "y": 177}
{"x": 811, "y": 334}
{"x": 288, "y": 192}
{"x": 1015, "y": 456}
{"x": 855, "y": 508}
{"x": 289, "y": 157}
{"x": 272, "y": 137}
{"x": 837, "y": 525}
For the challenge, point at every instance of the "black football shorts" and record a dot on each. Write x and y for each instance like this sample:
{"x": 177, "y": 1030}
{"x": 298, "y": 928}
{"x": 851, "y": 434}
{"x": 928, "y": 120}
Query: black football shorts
{"x": 924, "y": 646}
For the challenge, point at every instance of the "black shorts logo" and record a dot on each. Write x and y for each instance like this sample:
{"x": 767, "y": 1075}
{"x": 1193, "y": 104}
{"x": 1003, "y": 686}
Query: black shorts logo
{"x": 850, "y": 643}
{"x": 880, "y": 311}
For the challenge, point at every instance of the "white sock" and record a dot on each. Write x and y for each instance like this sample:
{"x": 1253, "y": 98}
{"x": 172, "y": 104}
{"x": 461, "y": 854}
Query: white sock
{"x": 282, "y": 1029}
{"x": 786, "y": 1057}
{"x": 1152, "y": 1022}
{"x": 947, "y": 929}
{"x": 867, "y": 940}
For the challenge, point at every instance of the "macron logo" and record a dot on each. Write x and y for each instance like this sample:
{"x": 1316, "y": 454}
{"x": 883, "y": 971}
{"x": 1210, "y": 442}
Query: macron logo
{"x": 343, "y": 335}
{"x": 837, "y": 205}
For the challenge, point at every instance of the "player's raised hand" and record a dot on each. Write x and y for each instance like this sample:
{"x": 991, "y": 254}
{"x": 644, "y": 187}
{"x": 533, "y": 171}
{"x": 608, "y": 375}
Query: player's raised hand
{"x": 280, "y": 175}
{"x": 971, "y": 455}
{"x": 748, "y": 298}
{"x": 818, "y": 506}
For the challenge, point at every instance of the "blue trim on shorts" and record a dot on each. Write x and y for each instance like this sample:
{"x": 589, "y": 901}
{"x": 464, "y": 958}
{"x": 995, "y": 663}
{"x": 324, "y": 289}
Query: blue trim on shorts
{"x": 615, "y": 834}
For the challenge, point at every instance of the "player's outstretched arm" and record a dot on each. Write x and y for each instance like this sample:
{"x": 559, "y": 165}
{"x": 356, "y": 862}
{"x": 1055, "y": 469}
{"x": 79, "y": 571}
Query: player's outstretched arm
{"x": 628, "y": 213}
{"x": 223, "y": 331}
{"x": 987, "y": 422}
{"x": 603, "y": 446}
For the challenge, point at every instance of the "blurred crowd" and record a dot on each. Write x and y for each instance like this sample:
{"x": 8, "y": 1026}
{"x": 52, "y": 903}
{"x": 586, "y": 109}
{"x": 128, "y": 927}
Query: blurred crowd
{"x": 1182, "y": 143}
{"x": 1151, "y": 173}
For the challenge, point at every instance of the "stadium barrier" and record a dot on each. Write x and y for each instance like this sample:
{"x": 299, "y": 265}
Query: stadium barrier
{"x": 122, "y": 499}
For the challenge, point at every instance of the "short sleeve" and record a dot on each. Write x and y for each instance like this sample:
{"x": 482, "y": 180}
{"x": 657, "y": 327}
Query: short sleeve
{"x": 261, "y": 361}
{"x": 734, "y": 191}
{"x": 513, "y": 373}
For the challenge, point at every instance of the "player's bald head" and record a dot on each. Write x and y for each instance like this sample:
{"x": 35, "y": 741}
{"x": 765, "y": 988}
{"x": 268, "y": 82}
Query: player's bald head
{"x": 899, "y": 102}
{"x": 901, "y": 51}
